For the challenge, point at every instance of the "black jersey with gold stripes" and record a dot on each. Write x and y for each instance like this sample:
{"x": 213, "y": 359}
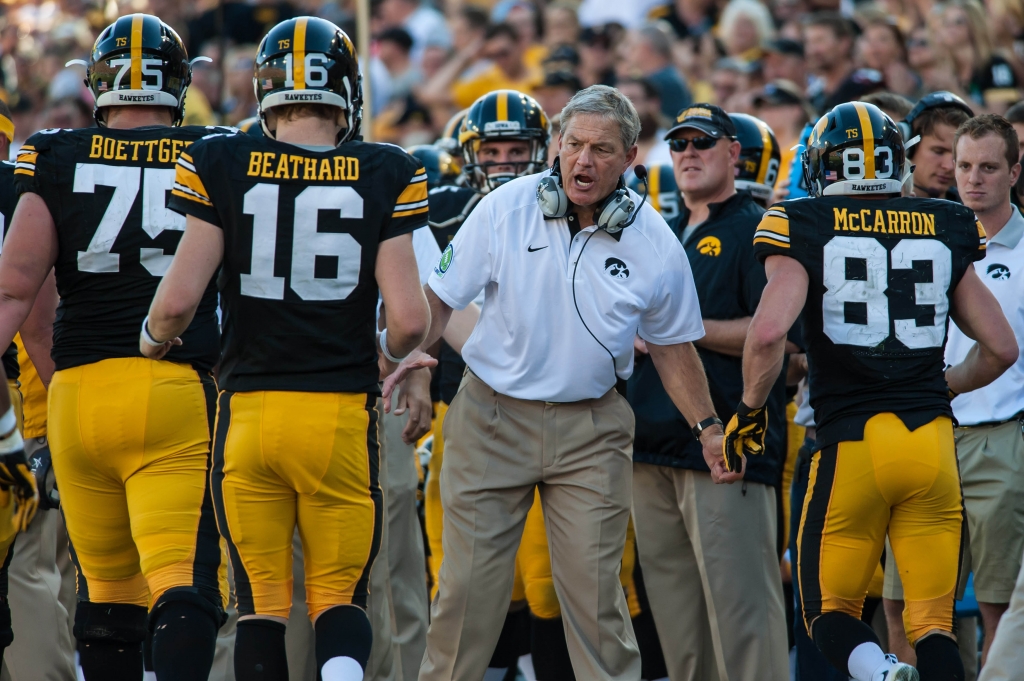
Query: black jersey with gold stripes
{"x": 8, "y": 201}
{"x": 301, "y": 234}
{"x": 107, "y": 190}
{"x": 882, "y": 272}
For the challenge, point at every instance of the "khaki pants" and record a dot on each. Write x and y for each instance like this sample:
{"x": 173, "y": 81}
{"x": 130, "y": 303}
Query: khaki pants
{"x": 498, "y": 450}
{"x": 43, "y": 649}
{"x": 1005, "y": 659}
{"x": 710, "y": 565}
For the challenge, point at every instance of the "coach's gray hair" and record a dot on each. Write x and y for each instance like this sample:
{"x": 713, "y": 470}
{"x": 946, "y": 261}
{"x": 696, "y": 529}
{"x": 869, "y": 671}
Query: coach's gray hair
{"x": 601, "y": 100}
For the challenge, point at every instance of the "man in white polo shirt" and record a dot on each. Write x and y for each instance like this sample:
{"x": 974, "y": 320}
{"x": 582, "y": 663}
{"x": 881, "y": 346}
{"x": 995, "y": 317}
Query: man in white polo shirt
{"x": 989, "y": 443}
{"x": 567, "y": 287}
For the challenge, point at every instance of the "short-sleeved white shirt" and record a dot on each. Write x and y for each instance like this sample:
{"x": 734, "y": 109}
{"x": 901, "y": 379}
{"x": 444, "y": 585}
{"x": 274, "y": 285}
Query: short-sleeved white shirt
{"x": 1002, "y": 270}
{"x": 530, "y": 342}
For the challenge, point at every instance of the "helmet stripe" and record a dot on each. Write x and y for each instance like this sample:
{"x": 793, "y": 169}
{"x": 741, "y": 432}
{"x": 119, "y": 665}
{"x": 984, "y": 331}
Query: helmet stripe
{"x": 654, "y": 187}
{"x": 766, "y": 152}
{"x": 502, "y": 104}
{"x": 869, "y": 140}
{"x": 299, "y": 54}
{"x": 136, "y": 51}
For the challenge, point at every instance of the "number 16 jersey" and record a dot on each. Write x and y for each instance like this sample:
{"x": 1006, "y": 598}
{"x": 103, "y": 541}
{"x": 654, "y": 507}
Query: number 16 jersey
{"x": 106, "y": 191}
{"x": 882, "y": 272}
{"x": 301, "y": 233}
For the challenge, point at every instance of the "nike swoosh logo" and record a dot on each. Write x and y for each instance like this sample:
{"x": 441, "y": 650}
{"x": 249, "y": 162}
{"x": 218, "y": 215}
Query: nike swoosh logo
{"x": 531, "y": 249}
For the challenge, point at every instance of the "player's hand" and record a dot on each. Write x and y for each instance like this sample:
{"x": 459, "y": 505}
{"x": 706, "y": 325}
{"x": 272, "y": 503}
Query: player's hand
{"x": 640, "y": 346}
{"x": 16, "y": 476}
{"x": 41, "y": 464}
{"x": 414, "y": 397}
{"x": 417, "y": 359}
{"x": 156, "y": 351}
{"x": 711, "y": 443}
{"x": 744, "y": 436}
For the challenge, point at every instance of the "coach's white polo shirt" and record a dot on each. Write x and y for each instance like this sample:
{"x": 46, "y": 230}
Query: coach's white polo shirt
{"x": 530, "y": 343}
{"x": 1002, "y": 270}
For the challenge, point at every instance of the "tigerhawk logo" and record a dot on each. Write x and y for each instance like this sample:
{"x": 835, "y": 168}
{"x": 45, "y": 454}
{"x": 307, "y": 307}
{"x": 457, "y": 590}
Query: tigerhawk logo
{"x": 997, "y": 271}
{"x": 710, "y": 245}
{"x": 616, "y": 268}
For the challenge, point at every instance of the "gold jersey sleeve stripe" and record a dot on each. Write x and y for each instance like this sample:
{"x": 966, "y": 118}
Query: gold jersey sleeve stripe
{"x": 185, "y": 179}
{"x": 774, "y": 223}
{"x": 404, "y": 213}
{"x": 413, "y": 193}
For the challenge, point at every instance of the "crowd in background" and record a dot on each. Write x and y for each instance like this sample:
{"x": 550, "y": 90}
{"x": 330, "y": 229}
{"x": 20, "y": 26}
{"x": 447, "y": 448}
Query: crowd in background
{"x": 786, "y": 61}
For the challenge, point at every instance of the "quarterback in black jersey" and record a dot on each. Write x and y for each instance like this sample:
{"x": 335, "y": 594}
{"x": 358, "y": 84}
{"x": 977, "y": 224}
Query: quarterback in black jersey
{"x": 130, "y": 437}
{"x": 876, "y": 277}
{"x": 304, "y": 224}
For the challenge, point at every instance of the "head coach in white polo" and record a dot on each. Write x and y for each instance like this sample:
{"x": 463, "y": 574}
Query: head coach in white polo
{"x": 567, "y": 288}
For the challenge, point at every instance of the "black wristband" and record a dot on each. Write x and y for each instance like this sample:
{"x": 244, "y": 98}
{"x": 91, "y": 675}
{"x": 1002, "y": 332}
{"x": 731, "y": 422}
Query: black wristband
{"x": 703, "y": 425}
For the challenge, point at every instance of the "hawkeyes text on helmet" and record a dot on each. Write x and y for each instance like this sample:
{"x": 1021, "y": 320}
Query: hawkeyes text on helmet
{"x": 503, "y": 115}
{"x": 308, "y": 60}
{"x": 758, "y": 164}
{"x": 854, "y": 149}
{"x": 138, "y": 61}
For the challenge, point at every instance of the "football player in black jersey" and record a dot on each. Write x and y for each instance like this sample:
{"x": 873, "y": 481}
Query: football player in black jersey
{"x": 758, "y": 165}
{"x": 130, "y": 437}
{"x": 303, "y": 224}
{"x": 876, "y": 277}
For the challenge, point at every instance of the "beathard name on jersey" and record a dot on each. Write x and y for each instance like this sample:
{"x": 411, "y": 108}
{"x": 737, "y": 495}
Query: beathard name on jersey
{"x": 162, "y": 150}
{"x": 274, "y": 166}
{"x": 884, "y": 222}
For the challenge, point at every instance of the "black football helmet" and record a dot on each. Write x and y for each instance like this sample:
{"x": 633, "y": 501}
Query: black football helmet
{"x": 138, "y": 61}
{"x": 932, "y": 100}
{"x": 503, "y": 115}
{"x": 449, "y": 139}
{"x": 758, "y": 165}
{"x": 308, "y": 60}
{"x": 441, "y": 167}
{"x": 855, "y": 149}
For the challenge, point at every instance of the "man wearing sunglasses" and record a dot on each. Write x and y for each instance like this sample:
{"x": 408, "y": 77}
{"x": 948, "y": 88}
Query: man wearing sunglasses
{"x": 721, "y": 578}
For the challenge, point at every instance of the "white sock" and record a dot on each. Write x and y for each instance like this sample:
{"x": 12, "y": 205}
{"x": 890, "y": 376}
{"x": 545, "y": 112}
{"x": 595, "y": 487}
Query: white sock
{"x": 865, "y": 660}
{"x": 341, "y": 669}
{"x": 495, "y": 673}
{"x": 148, "y": 676}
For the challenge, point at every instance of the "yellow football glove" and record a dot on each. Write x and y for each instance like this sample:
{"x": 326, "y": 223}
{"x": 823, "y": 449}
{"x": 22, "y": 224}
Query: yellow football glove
{"x": 744, "y": 436}
{"x": 16, "y": 476}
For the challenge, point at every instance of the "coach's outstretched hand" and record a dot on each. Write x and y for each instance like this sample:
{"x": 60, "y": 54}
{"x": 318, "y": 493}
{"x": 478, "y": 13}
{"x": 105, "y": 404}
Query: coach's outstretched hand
{"x": 720, "y": 473}
{"x": 394, "y": 374}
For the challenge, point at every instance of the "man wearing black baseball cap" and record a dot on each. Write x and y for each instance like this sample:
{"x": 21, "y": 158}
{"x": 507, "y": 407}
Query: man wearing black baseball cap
{"x": 720, "y": 577}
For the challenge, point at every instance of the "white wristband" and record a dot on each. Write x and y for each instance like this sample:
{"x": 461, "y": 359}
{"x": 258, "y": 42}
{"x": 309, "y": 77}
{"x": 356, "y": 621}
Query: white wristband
{"x": 8, "y": 422}
{"x": 384, "y": 348}
{"x": 148, "y": 339}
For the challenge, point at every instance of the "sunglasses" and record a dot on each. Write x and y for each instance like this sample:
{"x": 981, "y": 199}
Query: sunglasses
{"x": 699, "y": 143}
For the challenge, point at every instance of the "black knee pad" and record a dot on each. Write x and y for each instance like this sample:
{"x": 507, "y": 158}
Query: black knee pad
{"x": 113, "y": 622}
{"x": 938, "y": 659}
{"x": 200, "y": 599}
{"x": 343, "y": 631}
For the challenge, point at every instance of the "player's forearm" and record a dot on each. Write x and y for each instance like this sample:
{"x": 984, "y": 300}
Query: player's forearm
{"x": 37, "y": 331}
{"x": 725, "y": 336}
{"x": 980, "y": 367}
{"x": 762, "y": 361}
{"x": 682, "y": 375}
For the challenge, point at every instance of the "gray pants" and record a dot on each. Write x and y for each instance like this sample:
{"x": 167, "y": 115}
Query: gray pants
{"x": 708, "y": 554}
{"x": 1006, "y": 656}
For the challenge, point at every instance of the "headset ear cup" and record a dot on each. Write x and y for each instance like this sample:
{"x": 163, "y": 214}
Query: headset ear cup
{"x": 908, "y": 134}
{"x": 615, "y": 211}
{"x": 551, "y": 197}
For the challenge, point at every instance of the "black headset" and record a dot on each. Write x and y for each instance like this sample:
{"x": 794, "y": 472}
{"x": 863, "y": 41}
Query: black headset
{"x": 932, "y": 100}
{"x": 613, "y": 213}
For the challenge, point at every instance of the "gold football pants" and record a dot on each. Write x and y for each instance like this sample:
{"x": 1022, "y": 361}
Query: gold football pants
{"x": 130, "y": 440}
{"x": 895, "y": 480}
{"x": 287, "y": 459}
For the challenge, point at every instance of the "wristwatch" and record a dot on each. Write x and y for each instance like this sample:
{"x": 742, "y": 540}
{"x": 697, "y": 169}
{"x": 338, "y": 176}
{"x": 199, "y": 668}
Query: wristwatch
{"x": 706, "y": 423}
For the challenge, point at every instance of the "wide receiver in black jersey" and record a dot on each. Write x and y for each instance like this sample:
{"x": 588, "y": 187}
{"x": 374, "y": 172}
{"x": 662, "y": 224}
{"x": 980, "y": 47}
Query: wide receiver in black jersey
{"x": 303, "y": 224}
{"x": 876, "y": 277}
{"x": 130, "y": 437}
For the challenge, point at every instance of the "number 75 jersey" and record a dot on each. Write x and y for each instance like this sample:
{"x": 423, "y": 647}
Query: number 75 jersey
{"x": 881, "y": 272}
{"x": 107, "y": 191}
{"x": 301, "y": 232}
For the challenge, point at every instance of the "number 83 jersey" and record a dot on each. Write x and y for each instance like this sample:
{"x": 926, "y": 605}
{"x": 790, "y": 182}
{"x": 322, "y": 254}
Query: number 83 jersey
{"x": 107, "y": 192}
{"x": 301, "y": 233}
{"x": 881, "y": 272}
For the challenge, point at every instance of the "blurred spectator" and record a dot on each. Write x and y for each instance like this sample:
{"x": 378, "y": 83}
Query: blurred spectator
{"x": 524, "y": 17}
{"x": 597, "y": 56}
{"x": 207, "y": 77}
{"x": 69, "y": 112}
{"x": 746, "y": 26}
{"x": 926, "y": 58}
{"x": 561, "y": 25}
{"x": 562, "y": 58}
{"x": 239, "y": 96}
{"x": 892, "y": 105}
{"x": 784, "y": 60}
{"x": 556, "y": 90}
{"x": 1015, "y": 114}
{"x": 688, "y": 18}
{"x": 649, "y": 53}
{"x": 728, "y": 78}
{"x": 828, "y": 44}
{"x": 652, "y": 149}
{"x": 782, "y": 106}
{"x": 240, "y": 22}
{"x": 881, "y": 47}
{"x": 425, "y": 24}
{"x": 628, "y": 14}
{"x": 393, "y": 49}
{"x": 987, "y": 77}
